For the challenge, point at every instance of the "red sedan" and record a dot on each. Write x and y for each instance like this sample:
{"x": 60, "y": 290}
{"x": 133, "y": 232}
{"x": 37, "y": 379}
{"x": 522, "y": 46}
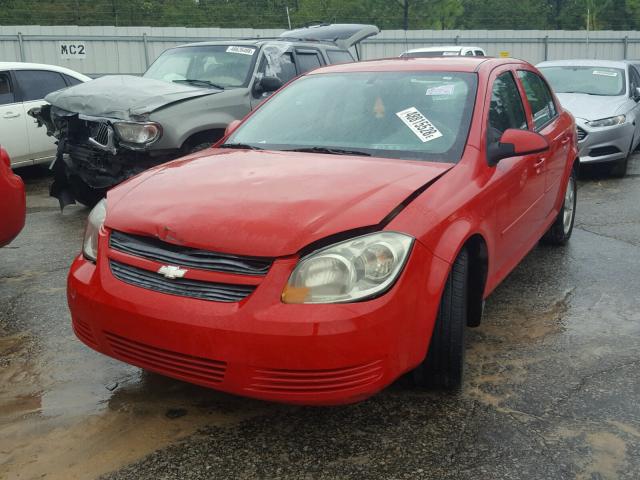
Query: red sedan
{"x": 12, "y": 201}
{"x": 342, "y": 235}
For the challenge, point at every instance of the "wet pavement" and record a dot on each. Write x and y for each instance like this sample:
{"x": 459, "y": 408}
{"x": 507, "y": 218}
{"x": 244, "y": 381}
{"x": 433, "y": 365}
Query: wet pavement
{"x": 551, "y": 390}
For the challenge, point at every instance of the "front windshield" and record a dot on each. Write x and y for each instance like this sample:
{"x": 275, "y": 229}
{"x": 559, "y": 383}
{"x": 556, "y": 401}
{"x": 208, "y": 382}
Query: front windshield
{"x": 413, "y": 115}
{"x": 206, "y": 65}
{"x": 589, "y": 80}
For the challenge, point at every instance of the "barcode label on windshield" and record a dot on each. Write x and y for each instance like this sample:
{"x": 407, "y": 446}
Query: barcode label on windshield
{"x": 605, "y": 73}
{"x": 242, "y": 50}
{"x": 419, "y": 124}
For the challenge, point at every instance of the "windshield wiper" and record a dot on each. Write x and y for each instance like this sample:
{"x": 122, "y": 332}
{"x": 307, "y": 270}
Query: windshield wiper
{"x": 240, "y": 146}
{"x": 330, "y": 150}
{"x": 195, "y": 81}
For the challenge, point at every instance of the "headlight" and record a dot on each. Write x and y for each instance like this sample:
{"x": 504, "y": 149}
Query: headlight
{"x": 359, "y": 268}
{"x": 608, "y": 122}
{"x": 138, "y": 133}
{"x": 94, "y": 224}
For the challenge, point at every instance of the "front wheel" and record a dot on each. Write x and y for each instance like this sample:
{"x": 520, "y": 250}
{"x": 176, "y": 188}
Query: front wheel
{"x": 444, "y": 365}
{"x": 560, "y": 232}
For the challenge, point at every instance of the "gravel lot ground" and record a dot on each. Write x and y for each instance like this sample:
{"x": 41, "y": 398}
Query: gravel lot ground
{"x": 551, "y": 390}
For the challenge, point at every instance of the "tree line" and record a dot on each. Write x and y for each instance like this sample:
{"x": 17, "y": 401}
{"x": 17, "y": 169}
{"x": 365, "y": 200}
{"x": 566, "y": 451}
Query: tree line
{"x": 387, "y": 14}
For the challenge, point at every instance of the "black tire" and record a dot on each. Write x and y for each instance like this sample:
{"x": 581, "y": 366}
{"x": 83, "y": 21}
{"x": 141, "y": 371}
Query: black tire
{"x": 619, "y": 167}
{"x": 560, "y": 231}
{"x": 443, "y": 366}
{"x": 84, "y": 193}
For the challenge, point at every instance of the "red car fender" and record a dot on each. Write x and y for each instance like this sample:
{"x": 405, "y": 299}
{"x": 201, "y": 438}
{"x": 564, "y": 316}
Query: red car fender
{"x": 12, "y": 201}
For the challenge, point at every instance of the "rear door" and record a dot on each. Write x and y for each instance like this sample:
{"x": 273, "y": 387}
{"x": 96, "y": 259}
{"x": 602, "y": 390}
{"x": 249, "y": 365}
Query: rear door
{"x": 546, "y": 121}
{"x": 33, "y": 86}
{"x": 13, "y": 123}
{"x": 307, "y": 59}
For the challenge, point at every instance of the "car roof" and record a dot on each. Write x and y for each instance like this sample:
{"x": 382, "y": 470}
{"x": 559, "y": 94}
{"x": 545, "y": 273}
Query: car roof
{"x": 402, "y": 64}
{"x": 585, "y": 63}
{"x": 42, "y": 66}
{"x": 258, "y": 42}
{"x": 443, "y": 48}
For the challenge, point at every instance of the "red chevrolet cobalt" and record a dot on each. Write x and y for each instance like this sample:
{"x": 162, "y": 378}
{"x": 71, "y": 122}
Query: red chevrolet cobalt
{"x": 344, "y": 234}
{"x": 12, "y": 201}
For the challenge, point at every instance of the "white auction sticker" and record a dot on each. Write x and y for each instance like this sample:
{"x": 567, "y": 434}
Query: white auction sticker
{"x": 242, "y": 50}
{"x": 605, "y": 73}
{"x": 419, "y": 124}
{"x": 441, "y": 90}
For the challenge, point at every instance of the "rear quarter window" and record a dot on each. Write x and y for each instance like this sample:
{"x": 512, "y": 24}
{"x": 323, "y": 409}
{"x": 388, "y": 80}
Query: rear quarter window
{"x": 339, "y": 56}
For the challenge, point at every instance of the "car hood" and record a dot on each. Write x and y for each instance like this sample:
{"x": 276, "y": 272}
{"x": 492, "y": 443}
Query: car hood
{"x": 263, "y": 203}
{"x": 592, "y": 107}
{"x": 123, "y": 96}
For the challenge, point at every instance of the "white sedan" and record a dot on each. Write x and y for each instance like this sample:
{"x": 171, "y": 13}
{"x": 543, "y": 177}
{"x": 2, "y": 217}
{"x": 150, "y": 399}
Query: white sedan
{"x": 22, "y": 87}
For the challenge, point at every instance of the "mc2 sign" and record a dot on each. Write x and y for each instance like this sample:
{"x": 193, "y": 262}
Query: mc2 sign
{"x": 72, "y": 50}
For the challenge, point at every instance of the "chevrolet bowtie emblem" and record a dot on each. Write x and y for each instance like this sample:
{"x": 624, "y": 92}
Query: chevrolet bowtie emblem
{"x": 172, "y": 272}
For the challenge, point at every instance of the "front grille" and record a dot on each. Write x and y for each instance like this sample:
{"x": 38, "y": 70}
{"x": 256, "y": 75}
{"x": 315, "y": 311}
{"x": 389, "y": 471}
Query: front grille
{"x": 163, "y": 252}
{"x": 581, "y": 133}
{"x": 602, "y": 151}
{"x": 217, "y": 292}
{"x": 315, "y": 381}
{"x": 187, "y": 367}
{"x": 100, "y": 133}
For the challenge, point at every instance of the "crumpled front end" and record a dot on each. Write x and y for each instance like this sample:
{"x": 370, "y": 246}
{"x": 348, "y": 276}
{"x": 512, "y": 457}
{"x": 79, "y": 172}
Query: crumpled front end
{"x": 91, "y": 157}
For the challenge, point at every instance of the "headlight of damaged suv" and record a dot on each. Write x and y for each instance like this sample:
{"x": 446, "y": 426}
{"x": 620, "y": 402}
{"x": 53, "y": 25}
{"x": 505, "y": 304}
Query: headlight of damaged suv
{"x": 94, "y": 224}
{"x": 608, "y": 122}
{"x": 356, "y": 269}
{"x": 138, "y": 133}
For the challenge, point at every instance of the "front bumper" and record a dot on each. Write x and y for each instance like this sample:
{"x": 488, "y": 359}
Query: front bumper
{"x": 604, "y": 144}
{"x": 260, "y": 347}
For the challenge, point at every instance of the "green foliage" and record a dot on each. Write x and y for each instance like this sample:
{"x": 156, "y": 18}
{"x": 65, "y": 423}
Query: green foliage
{"x": 387, "y": 14}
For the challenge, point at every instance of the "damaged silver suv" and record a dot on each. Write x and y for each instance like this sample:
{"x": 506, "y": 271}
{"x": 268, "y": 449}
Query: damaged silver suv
{"x": 114, "y": 127}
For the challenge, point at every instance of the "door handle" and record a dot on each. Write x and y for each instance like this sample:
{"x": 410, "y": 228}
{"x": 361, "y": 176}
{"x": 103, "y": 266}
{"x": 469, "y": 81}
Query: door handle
{"x": 565, "y": 140}
{"x": 10, "y": 115}
{"x": 540, "y": 162}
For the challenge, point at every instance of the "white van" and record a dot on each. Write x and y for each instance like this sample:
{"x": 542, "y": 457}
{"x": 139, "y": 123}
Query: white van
{"x": 445, "y": 51}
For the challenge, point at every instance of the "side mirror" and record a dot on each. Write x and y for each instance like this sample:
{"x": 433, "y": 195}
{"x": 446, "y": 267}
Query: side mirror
{"x": 268, "y": 85}
{"x": 636, "y": 94}
{"x": 514, "y": 143}
{"x": 231, "y": 127}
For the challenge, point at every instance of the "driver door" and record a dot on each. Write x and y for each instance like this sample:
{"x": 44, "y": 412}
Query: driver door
{"x": 281, "y": 66}
{"x": 520, "y": 179}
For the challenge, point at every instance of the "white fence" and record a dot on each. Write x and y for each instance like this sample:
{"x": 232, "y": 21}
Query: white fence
{"x": 103, "y": 50}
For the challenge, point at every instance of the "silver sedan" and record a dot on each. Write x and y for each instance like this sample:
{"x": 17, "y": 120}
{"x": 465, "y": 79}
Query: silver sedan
{"x": 604, "y": 97}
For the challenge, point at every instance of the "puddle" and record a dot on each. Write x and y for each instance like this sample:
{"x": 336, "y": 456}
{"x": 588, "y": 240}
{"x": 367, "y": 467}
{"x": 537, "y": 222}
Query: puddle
{"x": 84, "y": 415}
{"x": 494, "y": 371}
{"x": 598, "y": 454}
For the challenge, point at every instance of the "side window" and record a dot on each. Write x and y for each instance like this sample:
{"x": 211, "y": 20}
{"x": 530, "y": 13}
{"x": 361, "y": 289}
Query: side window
{"x": 281, "y": 67}
{"x": 540, "y": 98}
{"x": 307, "y": 61}
{"x": 506, "y": 110}
{"x": 37, "y": 84}
{"x": 6, "y": 89}
{"x": 339, "y": 56}
{"x": 634, "y": 81}
{"x": 469, "y": 53}
{"x": 71, "y": 81}
{"x": 479, "y": 53}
